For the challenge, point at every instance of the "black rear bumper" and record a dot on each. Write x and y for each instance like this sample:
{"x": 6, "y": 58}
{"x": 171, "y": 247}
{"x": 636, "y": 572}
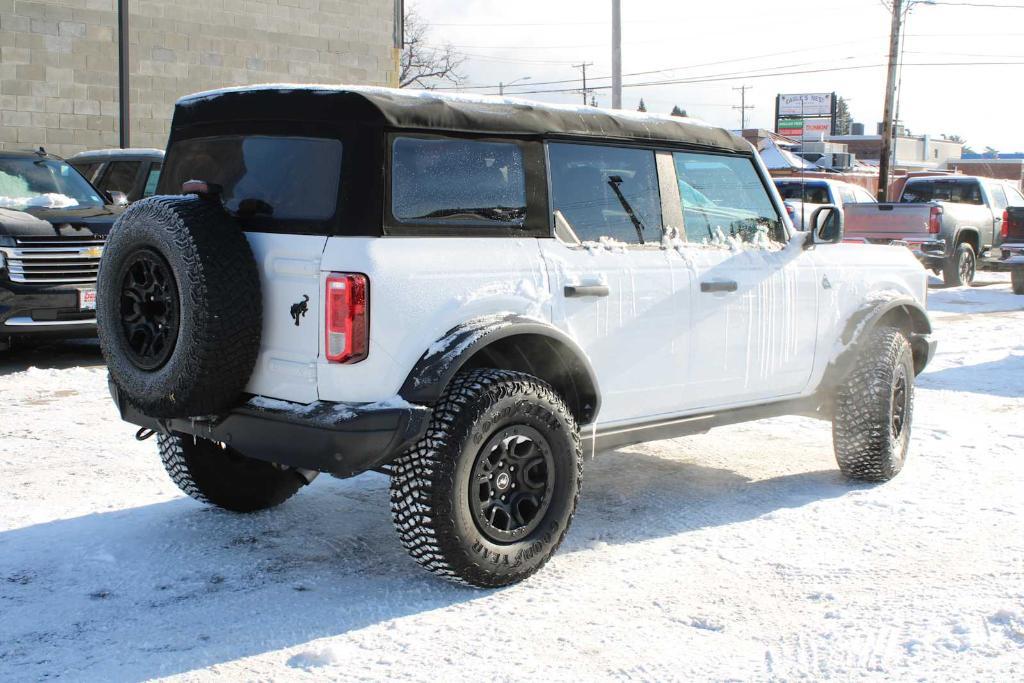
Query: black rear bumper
{"x": 343, "y": 439}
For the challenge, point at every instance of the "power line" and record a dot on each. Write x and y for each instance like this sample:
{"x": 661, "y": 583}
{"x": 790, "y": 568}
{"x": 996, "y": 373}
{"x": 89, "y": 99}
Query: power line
{"x": 713, "y": 79}
{"x": 988, "y": 5}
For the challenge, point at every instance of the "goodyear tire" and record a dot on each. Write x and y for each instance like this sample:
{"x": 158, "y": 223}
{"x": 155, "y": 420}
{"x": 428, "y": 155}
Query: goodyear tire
{"x": 488, "y": 494}
{"x": 224, "y": 477}
{"x": 178, "y": 307}
{"x": 874, "y": 408}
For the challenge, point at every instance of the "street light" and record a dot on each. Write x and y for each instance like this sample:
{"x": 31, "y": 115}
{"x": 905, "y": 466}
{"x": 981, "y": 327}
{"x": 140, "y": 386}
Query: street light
{"x": 501, "y": 86}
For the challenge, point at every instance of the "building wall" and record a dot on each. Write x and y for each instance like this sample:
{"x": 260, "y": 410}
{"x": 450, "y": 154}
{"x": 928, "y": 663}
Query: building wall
{"x": 58, "y": 60}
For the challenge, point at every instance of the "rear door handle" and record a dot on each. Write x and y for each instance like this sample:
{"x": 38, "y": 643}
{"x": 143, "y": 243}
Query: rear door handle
{"x": 586, "y": 290}
{"x": 719, "y": 286}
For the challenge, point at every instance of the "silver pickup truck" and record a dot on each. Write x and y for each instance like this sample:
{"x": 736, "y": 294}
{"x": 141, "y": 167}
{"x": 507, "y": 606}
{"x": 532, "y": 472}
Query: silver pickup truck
{"x": 954, "y": 224}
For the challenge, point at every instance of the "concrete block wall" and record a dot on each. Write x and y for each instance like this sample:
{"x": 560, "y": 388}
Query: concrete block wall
{"x": 58, "y": 60}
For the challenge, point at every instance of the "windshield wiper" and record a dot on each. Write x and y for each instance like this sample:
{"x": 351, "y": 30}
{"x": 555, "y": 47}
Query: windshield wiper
{"x": 615, "y": 181}
{"x": 503, "y": 214}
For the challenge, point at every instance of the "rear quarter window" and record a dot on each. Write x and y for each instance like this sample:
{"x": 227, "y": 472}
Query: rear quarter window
{"x": 266, "y": 178}
{"x": 457, "y": 182}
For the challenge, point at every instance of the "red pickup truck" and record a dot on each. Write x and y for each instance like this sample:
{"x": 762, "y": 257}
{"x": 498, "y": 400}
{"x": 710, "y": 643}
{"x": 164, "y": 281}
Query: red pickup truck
{"x": 954, "y": 224}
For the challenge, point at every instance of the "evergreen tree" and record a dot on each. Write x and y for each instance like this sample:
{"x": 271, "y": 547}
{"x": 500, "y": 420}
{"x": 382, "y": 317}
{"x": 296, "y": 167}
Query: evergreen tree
{"x": 676, "y": 111}
{"x": 843, "y": 119}
{"x": 642, "y": 107}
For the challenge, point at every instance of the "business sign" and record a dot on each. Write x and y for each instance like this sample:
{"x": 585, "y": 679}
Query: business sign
{"x": 810, "y": 104}
{"x": 808, "y": 129}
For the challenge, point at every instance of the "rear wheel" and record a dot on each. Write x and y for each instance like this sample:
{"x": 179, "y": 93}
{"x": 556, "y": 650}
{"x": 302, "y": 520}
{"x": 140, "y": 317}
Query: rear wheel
{"x": 1017, "y": 278}
{"x": 486, "y": 497}
{"x": 960, "y": 268}
{"x": 224, "y": 477}
{"x": 874, "y": 408}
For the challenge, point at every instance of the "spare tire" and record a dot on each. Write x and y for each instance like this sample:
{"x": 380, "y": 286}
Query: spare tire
{"x": 178, "y": 307}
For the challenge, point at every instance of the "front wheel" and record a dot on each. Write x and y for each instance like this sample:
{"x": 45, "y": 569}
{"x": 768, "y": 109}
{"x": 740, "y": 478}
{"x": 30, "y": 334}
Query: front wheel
{"x": 486, "y": 497}
{"x": 874, "y": 408}
{"x": 1017, "y": 279}
{"x": 960, "y": 268}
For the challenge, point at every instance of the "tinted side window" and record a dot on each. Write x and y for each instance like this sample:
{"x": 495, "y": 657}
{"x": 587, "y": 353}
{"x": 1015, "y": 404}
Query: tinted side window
{"x": 723, "y": 196}
{"x": 812, "y": 193}
{"x": 87, "y": 170}
{"x": 457, "y": 182}
{"x": 152, "y": 179}
{"x": 120, "y": 176}
{"x": 606, "y": 191}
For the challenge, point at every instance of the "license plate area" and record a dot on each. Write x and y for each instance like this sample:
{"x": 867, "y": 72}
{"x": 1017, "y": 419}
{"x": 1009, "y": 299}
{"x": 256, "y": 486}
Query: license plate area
{"x": 87, "y": 299}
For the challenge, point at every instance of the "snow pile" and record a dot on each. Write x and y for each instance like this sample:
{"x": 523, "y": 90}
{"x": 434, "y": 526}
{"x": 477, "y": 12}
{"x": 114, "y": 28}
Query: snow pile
{"x": 604, "y": 243}
{"x": 49, "y": 200}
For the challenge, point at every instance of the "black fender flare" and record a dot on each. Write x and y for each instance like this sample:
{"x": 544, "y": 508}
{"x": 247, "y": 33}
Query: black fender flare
{"x": 902, "y": 309}
{"x": 449, "y": 354}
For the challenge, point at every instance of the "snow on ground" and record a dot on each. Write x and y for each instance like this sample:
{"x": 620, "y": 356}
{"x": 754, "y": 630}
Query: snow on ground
{"x": 740, "y": 554}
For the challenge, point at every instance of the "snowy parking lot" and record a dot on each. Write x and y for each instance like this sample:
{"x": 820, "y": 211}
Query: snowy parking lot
{"x": 739, "y": 554}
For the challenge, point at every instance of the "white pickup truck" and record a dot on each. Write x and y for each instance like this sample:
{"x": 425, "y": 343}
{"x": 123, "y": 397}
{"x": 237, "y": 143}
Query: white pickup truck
{"x": 803, "y": 196}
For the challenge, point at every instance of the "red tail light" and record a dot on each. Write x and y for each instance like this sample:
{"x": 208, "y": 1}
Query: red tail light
{"x": 1005, "y": 230}
{"x": 348, "y": 317}
{"x": 935, "y": 220}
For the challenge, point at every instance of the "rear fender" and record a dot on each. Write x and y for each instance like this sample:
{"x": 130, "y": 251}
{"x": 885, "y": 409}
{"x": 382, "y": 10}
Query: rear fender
{"x": 507, "y": 341}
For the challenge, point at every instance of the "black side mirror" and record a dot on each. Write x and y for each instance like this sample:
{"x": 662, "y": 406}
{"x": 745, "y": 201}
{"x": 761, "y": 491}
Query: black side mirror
{"x": 826, "y": 225}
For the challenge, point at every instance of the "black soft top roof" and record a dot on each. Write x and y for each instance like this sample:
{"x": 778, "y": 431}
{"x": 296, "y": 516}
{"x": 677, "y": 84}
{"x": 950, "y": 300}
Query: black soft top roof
{"x": 429, "y": 110}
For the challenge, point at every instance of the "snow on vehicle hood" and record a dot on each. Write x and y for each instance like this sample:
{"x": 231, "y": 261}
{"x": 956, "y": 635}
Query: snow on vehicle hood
{"x": 50, "y": 200}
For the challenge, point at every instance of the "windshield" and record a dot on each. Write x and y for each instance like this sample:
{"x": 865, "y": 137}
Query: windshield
{"x": 42, "y": 183}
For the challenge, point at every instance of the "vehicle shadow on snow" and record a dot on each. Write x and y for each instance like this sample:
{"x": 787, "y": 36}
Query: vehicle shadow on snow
{"x": 50, "y": 355}
{"x": 981, "y": 378}
{"x": 174, "y": 586}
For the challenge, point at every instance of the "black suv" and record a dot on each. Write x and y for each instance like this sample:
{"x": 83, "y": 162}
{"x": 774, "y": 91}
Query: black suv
{"x": 135, "y": 172}
{"x": 53, "y": 225}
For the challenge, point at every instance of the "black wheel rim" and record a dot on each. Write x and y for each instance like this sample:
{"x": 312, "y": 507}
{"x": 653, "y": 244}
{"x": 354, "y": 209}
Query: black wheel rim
{"x": 513, "y": 477}
{"x": 966, "y": 267}
{"x": 900, "y": 400}
{"x": 149, "y": 309}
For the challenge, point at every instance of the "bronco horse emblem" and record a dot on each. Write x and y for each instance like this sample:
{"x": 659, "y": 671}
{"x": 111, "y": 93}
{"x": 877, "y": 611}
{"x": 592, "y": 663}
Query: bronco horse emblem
{"x": 300, "y": 309}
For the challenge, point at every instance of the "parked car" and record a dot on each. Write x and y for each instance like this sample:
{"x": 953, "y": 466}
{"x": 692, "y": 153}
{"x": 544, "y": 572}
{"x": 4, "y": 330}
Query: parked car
{"x": 135, "y": 172}
{"x": 953, "y": 223}
{"x": 803, "y": 196}
{"x": 53, "y": 225}
{"x": 1011, "y": 252}
{"x": 469, "y": 294}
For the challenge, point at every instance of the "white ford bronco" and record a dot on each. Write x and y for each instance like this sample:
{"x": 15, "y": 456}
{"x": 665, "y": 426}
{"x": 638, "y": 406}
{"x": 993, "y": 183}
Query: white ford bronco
{"x": 471, "y": 294}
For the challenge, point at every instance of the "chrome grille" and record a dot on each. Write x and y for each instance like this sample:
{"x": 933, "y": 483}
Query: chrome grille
{"x": 54, "y": 259}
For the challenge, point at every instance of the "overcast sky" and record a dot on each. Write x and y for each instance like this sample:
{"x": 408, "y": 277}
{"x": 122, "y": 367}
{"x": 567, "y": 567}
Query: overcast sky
{"x": 742, "y": 40}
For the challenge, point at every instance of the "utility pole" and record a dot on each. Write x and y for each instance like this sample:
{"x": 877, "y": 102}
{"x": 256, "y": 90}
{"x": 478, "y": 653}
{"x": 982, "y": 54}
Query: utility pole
{"x": 890, "y": 94}
{"x": 616, "y": 54}
{"x": 743, "y": 105}
{"x": 124, "y": 93}
{"x": 584, "y": 66}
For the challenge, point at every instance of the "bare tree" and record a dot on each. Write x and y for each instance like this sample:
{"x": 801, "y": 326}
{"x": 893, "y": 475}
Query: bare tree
{"x": 424, "y": 65}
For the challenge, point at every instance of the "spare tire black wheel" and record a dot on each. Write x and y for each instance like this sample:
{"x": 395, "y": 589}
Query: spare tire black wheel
{"x": 179, "y": 307}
